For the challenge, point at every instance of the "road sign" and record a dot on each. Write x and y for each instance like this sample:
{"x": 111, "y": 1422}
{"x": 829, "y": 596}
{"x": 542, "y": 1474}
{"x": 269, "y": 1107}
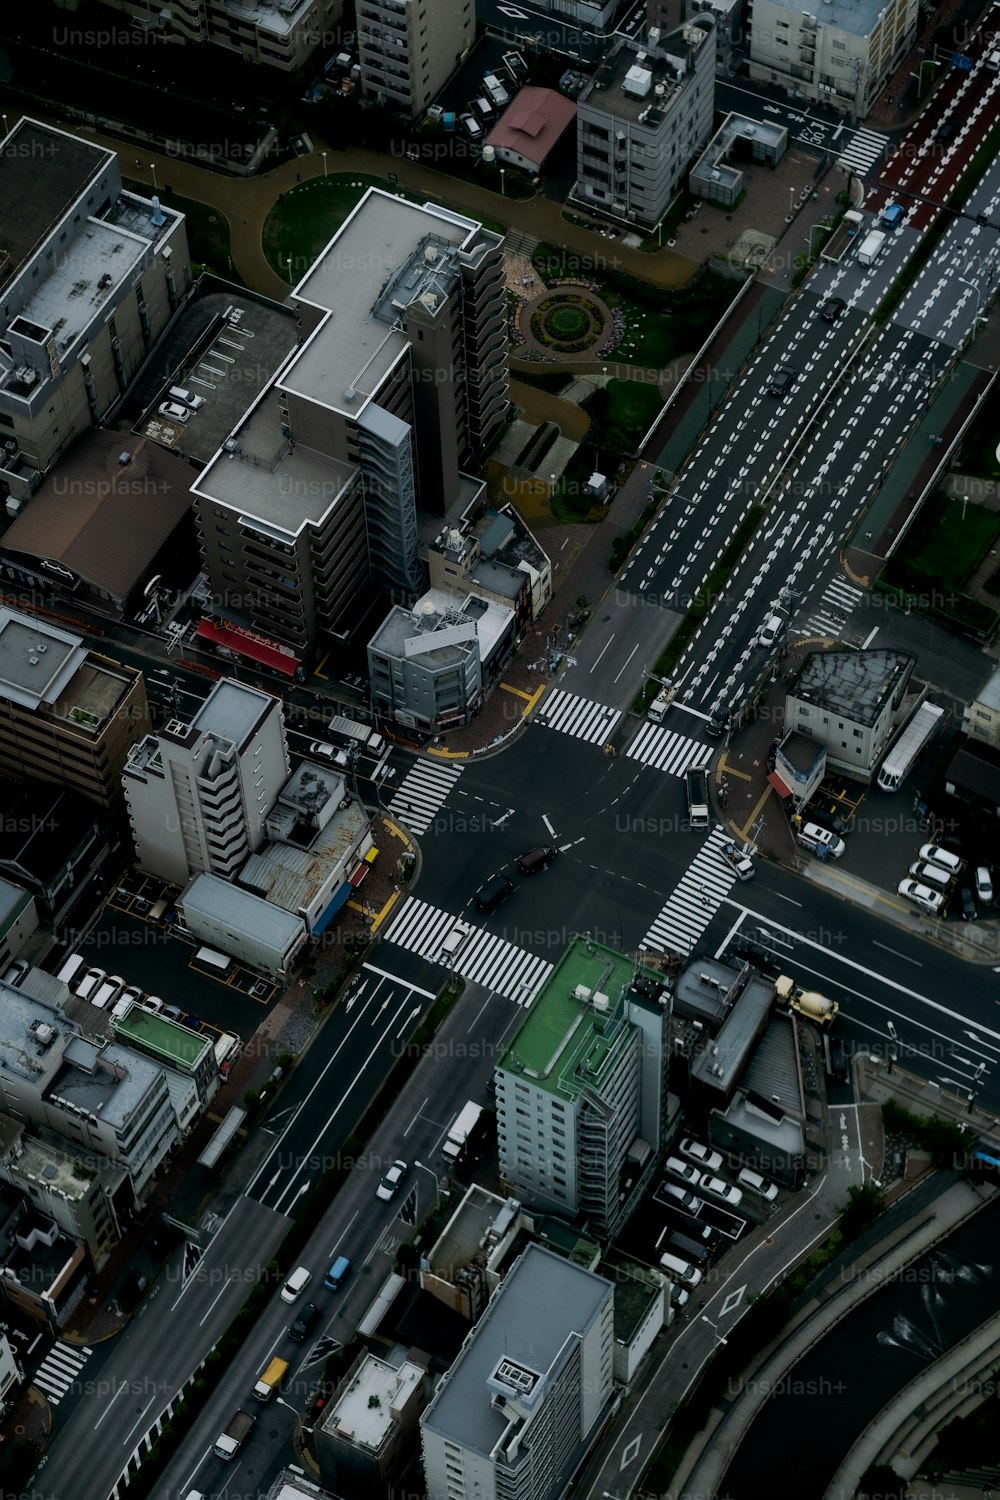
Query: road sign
{"x": 961, "y": 62}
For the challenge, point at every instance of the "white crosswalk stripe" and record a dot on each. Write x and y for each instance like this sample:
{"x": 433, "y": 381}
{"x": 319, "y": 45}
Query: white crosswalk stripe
{"x": 862, "y": 151}
{"x": 421, "y": 792}
{"x": 833, "y": 609}
{"x": 580, "y": 717}
{"x": 489, "y": 960}
{"x": 666, "y": 750}
{"x": 58, "y": 1370}
{"x": 699, "y": 894}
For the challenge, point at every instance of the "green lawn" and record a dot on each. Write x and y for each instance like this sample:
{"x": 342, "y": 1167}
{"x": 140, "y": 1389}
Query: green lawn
{"x": 979, "y": 446}
{"x": 633, "y": 406}
{"x": 307, "y": 217}
{"x": 655, "y": 335}
{"x": 947, "y": 542}
{"x": 208, "y": 232}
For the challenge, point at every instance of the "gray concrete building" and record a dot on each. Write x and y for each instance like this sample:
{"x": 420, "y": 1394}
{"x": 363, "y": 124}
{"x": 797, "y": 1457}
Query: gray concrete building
{"x": 75, "y": 1192}
{"x": 90, "y": 275}
{"x": 279, "y": 34}
{"x": 431, "y": 666}
{"x": 369, "y": 1430}
{"x": 839, "y": 54}
{"x": 515, "y": 1414}
{"x": 199, "y": 793}
{"x": 259, "y": 934}
{"x": 852, "y": 702}
{"x": 409, "y": 49}
{"x": 981, "y": 718}
{"x": 643, "y": 117}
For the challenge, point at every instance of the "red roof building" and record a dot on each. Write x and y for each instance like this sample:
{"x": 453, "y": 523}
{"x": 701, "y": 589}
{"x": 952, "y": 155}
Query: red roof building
{"x": 531, "y": 127}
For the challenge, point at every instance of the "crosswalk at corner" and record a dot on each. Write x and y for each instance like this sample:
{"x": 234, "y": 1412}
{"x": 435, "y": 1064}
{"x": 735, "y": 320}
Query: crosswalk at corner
{"x": 580, "y": 717}
{"x": 58, "y": 1370}
{"x": 699, "y": 894}
{"x": 423, "y": 790}
{"x": 483, "y": 957}
{"x": 830, "y": 613}
{"x": 666, "y": 750}
{"x": 862, "y": 151}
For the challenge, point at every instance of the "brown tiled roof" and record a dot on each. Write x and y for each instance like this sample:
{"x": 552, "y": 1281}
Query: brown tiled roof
{"x": 533, "y": 123}
{"x": 104, "y": 519}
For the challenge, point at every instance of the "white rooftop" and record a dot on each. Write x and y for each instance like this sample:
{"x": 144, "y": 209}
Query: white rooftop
{"x": 71, "y": 295}
{"x": 364, "y": 1413}
{"x": 37, "y": 660}
{"x": 232, "y": 710}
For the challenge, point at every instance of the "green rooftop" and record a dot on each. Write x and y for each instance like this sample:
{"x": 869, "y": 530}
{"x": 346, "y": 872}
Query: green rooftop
{"x": 561, "y": 1032}
{"x": 158, "y": 1037}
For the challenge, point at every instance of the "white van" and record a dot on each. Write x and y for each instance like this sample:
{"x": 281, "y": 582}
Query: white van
{"x": 680, "y": 1270}
{"x": 105, "y": 994}
{"x": 90, "y": 982}
{"x": 296, "y": 1284}
{"x": 187, "y": 398}
{"x": 70, "y": 969}
{"x": 813, "y": 837}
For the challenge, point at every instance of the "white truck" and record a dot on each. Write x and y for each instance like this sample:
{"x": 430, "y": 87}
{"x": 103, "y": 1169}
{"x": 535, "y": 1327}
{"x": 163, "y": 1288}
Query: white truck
{"x": 739, "y": 860}
{"x": 806, "y": 1002}
{"x": 871, "y": 247}
{"x": 350, "y": 729}
{"x": 899, "y": 762}
{"x": 657, "y": 711}
{"x": 696, "y": 781}
{"x": 231, "y": 1441}
{"x": 462, "y": 1127}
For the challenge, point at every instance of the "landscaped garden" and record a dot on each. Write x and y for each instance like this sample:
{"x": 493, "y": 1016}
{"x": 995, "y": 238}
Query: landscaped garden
{"x": 568, "y": 321}
{"x": 935, "y": 560}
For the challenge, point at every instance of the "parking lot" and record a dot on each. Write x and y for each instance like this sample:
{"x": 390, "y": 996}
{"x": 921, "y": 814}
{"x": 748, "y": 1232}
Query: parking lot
{"x": 151, "y": 953}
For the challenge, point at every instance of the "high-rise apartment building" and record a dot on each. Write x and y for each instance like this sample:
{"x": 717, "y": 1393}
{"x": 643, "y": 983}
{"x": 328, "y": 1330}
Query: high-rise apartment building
{"x": 582, "y": 1088}
{"x": 642, "y": 118}
{"x": 67, "y": 715}
{"x": 275, "y": 33}
{"x": 90, "y": 275}
{"x": 399, "y": 389}
{"x": 410, "y": 48}
{"x": 199, "y": 792}
{"x": 513, "y": 1417}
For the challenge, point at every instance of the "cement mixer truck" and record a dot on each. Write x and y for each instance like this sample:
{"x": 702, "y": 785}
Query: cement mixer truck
{"x": 806, "y": 1002}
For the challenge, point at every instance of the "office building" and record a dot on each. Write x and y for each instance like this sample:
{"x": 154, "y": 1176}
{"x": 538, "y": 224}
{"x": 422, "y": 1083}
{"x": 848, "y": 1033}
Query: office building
{"x": 641, "y": 120}
{"x": 431, "y": 666}
{"x": 839, "y": 54}
{"x": 199, "y": 792}
{"x": 90, "y": 275}
{"x": 852, "y": 702}
{"x": 311, "y": 504}
{"x": 102, "y": 1097}
{"x": 581, "y": 1096}
{"x": 516, "y": 1412}
{"x": 279, "y": 34}
{"x": 408, "y": 49}
{"x": 67, "y": 715}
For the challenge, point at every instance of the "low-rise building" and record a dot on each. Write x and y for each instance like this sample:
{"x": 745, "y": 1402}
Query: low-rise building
{"x": 261, "y": 935}
{"x": 852, "y": 702}
{"x": 52, "y": 843}
{"x": 43, "y": 1272}
{"x": 369, "y": 1430}
{"x": 463, "y": 1266}
{"x": 981, "y": 718}
{"x": 280, "y": 34}
{"x": 493, "y": 554}
{"x": 642, "y": 1310}
{"x": 642, "y": 119}
{"x": 530, "y": 1388}
{"x": 77, "y": 1194}
{"x": 431, "y": 666}
{"x": 974, "y": 776}
{"x": 186, "y": 1057}
{"x": 67, "y": 714}
{"x": 530, "y": 128}
{"x": 840, "y": 54}
{"x": 713, "y": 176}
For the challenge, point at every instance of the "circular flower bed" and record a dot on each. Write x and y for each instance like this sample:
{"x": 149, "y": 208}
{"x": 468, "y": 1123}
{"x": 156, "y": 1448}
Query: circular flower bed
{"x": 567, "y": 322}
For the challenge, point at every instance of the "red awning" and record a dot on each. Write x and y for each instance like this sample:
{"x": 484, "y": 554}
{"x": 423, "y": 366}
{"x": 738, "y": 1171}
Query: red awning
{"x": 779, "y": 786}
{"x": 359, "y": 874}
{"x": 245, "y": 645}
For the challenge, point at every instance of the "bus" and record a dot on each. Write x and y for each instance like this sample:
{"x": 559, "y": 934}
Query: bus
{"x": 899, "y": 762}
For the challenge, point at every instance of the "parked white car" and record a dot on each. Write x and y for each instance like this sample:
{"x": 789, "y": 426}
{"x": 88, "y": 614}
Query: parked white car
{"x": 174, "y": 411}
{"x": 984, "y": 886}
{"x": 814, "y": 837}
{"x": 708, "y": 1160}
{"x": 935, "y": 855}
{"x": 683, "y": 1170}
{"x": 716, "y": 1188}
{"x": 755, "y": 1183}
{"x": 922, "y": 896}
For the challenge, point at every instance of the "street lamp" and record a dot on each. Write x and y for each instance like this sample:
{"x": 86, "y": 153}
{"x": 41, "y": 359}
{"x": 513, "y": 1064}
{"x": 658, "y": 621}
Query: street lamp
{"x": 4, "y": 119}
{"x": 437, "y": 1180}
{"x": 979, "y": 298}
{"x": 503, "y": 190}
{"x": 893, "y": 1039}
{"x": 288, "y": 262}
{"x": 152, "y": 168}
{"x": 812, "y": 230}
{"x": 714, "y": 1329}
{"x": 280, "y": 1401}
{"x": 323, "y": 155}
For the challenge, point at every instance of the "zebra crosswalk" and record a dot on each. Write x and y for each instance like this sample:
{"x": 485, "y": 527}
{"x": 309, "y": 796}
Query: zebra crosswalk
{"x": 421, "y": 792}
{"x": 862, "y": 151}
{"x": 58, "y": 1370}
{"x": 665, "y": 750}
{"x": 699, "y": 894}
{"x": 482, "y": 956}
{"x": 580, "y": 717}
{"x": 833, "y": 609}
